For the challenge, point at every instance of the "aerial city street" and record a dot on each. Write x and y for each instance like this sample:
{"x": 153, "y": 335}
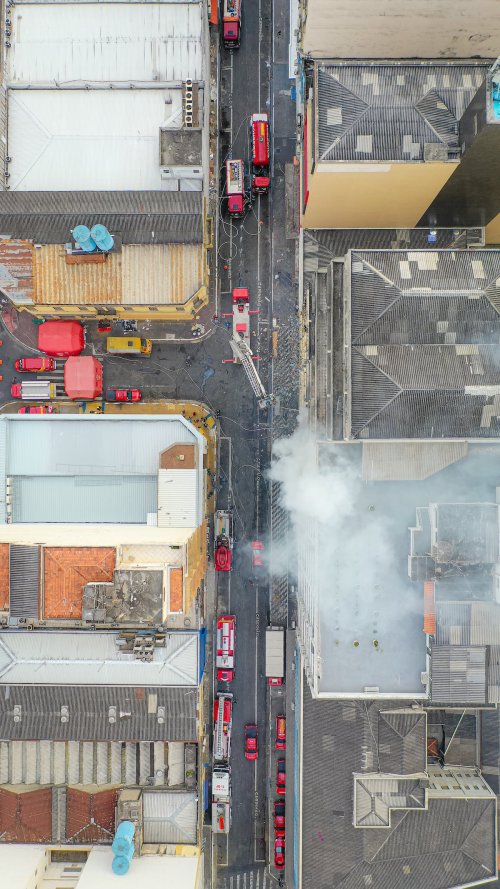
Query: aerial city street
{"x": 249, "y": 444}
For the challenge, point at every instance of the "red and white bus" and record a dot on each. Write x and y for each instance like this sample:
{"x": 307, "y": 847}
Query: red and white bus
{"x": 260, "y": 153}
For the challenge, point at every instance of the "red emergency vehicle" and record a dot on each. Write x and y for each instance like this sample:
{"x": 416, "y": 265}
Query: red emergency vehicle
{"x": 235, "y": 187}
{"x": 260, "y": 153}
{"x": 231, "y": 23}
{"x": 226, "y": 633}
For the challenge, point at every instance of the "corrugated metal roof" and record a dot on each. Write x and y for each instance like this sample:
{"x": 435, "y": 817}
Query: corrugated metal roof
{"x": 144, "y": 42}
{"x": 458, "y": 674}
{"x": 93, "y": 445}
{"x": 170, "y": 817}
{"x": 69, "y": 658}
{"x": 24, "y": 570}
{"x": 138, "y": 217}
{"x": 58, "y": 283}
{"x": 16, "y": 269}
{"x": 424, "y": 351}
{"x": 78, "y": 762}
{"x": 136, "y": 709}
{"x": 178, "y": 505}
{"x": 84, "y": 498}
{"x": 379, "y": 112}
{"x": 81, "y": 140}
{"x": 408, "y": 460}
{"x": 485, "y": 623}
{"x": 161, "y": 274}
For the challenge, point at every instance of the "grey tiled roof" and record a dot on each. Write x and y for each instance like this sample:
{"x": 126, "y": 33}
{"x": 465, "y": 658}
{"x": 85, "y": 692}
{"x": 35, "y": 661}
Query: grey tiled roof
{"x": 401, "y": 741}
{"x": 450, "y": 844}
{"x": 137, "y": 717}
{"x": 381, "y": 111}
{"x": 139, "y": 217}
{"x": 425, "y": 353}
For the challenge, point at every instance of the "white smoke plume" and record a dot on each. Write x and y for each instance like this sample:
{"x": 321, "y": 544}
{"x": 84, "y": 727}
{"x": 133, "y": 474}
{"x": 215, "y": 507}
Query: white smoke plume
{"x": 354, "y": 554}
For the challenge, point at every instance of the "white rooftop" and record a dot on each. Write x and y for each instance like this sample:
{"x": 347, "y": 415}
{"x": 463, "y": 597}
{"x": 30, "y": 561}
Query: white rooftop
{"x": 98, "y": 468}
{"x": 87, "y": 92}
{"x": 90, "y": 658}
{"x": 77, "y": 140}
{"x": 70, "y": 44}
{"x": 22, "y": 864}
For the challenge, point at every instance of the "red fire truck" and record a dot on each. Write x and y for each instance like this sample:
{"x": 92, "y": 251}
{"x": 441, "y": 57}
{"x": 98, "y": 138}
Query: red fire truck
{"x": 260, "y": 153}
{"x": 223, "y": 723}
{"x": 231, "y": 23}
{"x": 235, "y": 187}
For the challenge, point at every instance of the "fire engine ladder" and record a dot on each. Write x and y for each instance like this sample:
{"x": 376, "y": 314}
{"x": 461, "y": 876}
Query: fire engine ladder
{"x": 243, "y": 353}
{"x": 219, "y": 730}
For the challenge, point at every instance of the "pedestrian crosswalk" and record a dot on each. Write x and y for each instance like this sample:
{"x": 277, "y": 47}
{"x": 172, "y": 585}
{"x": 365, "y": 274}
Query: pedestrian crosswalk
{"x": 258, "y": 878}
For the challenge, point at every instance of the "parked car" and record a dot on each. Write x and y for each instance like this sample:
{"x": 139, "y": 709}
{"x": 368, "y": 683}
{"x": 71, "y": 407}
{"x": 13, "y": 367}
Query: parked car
{"x": 32, "y": 365}
{"x": 281, "y": 778}
{"x": 280, "y": 733}
{"x": 37, "y": 409}
{"x": 279, "y": 818}
{"x": 123, "y": 395}
{"x": 251, "y": 742}
{"x": 279, "y": 853}
{"x": 257, "y": 554}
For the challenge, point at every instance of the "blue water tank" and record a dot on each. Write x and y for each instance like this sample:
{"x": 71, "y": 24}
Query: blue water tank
{"x": 83, "y": 239}
{"x": 121, "y": 864}
{"x": 102, "y": 238}
{"x": 124, "y": 838}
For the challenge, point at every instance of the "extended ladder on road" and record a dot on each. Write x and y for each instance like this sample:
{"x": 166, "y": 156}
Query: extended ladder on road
{"x": 223, "y": 726}
{"x": 243, "y": 355}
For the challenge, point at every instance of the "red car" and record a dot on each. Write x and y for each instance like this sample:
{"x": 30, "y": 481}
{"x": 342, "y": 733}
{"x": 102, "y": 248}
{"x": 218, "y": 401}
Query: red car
{"x": 123, "y": 395}
{"x": 280, "y": 733}
{"x": 251, "y": 742}
{"x": 257, "y": 550}
{"x": 279, "y": 853}
{"x": 40, "y": 409}
{"x": 32, "y": 365}
{"x": 281, "y": 778}
{"x": 279, "y": 818}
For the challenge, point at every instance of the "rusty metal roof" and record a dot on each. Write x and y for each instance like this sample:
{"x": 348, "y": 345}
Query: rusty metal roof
{"x": 16, "y": 269}
{"x": 161, "y": 273}
{"x": 58, "y": 283}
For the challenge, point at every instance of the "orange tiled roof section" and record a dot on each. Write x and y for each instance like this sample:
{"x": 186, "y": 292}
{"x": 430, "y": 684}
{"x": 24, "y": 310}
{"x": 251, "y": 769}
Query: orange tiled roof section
{"x": 90, "y": 817}
{"x": 26, "y": 817}
{"x": 4, "y": 576}
{"x": 176, "y": 597}
{"x": 66, "y": 570}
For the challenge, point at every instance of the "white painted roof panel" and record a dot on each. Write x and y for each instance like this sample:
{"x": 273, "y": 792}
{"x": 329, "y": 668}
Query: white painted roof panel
{"x": 85, "y": 140}
{"x": 99, "y": 445}
{"x": 177, "y": 498}
{"x": 67, "y": 43}
{"x": 79, "y": 658}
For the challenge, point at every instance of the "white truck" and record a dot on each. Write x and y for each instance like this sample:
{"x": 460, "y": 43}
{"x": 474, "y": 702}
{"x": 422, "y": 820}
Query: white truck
{"x": 275, "y": 655}
{"x": 221, "y": 799}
